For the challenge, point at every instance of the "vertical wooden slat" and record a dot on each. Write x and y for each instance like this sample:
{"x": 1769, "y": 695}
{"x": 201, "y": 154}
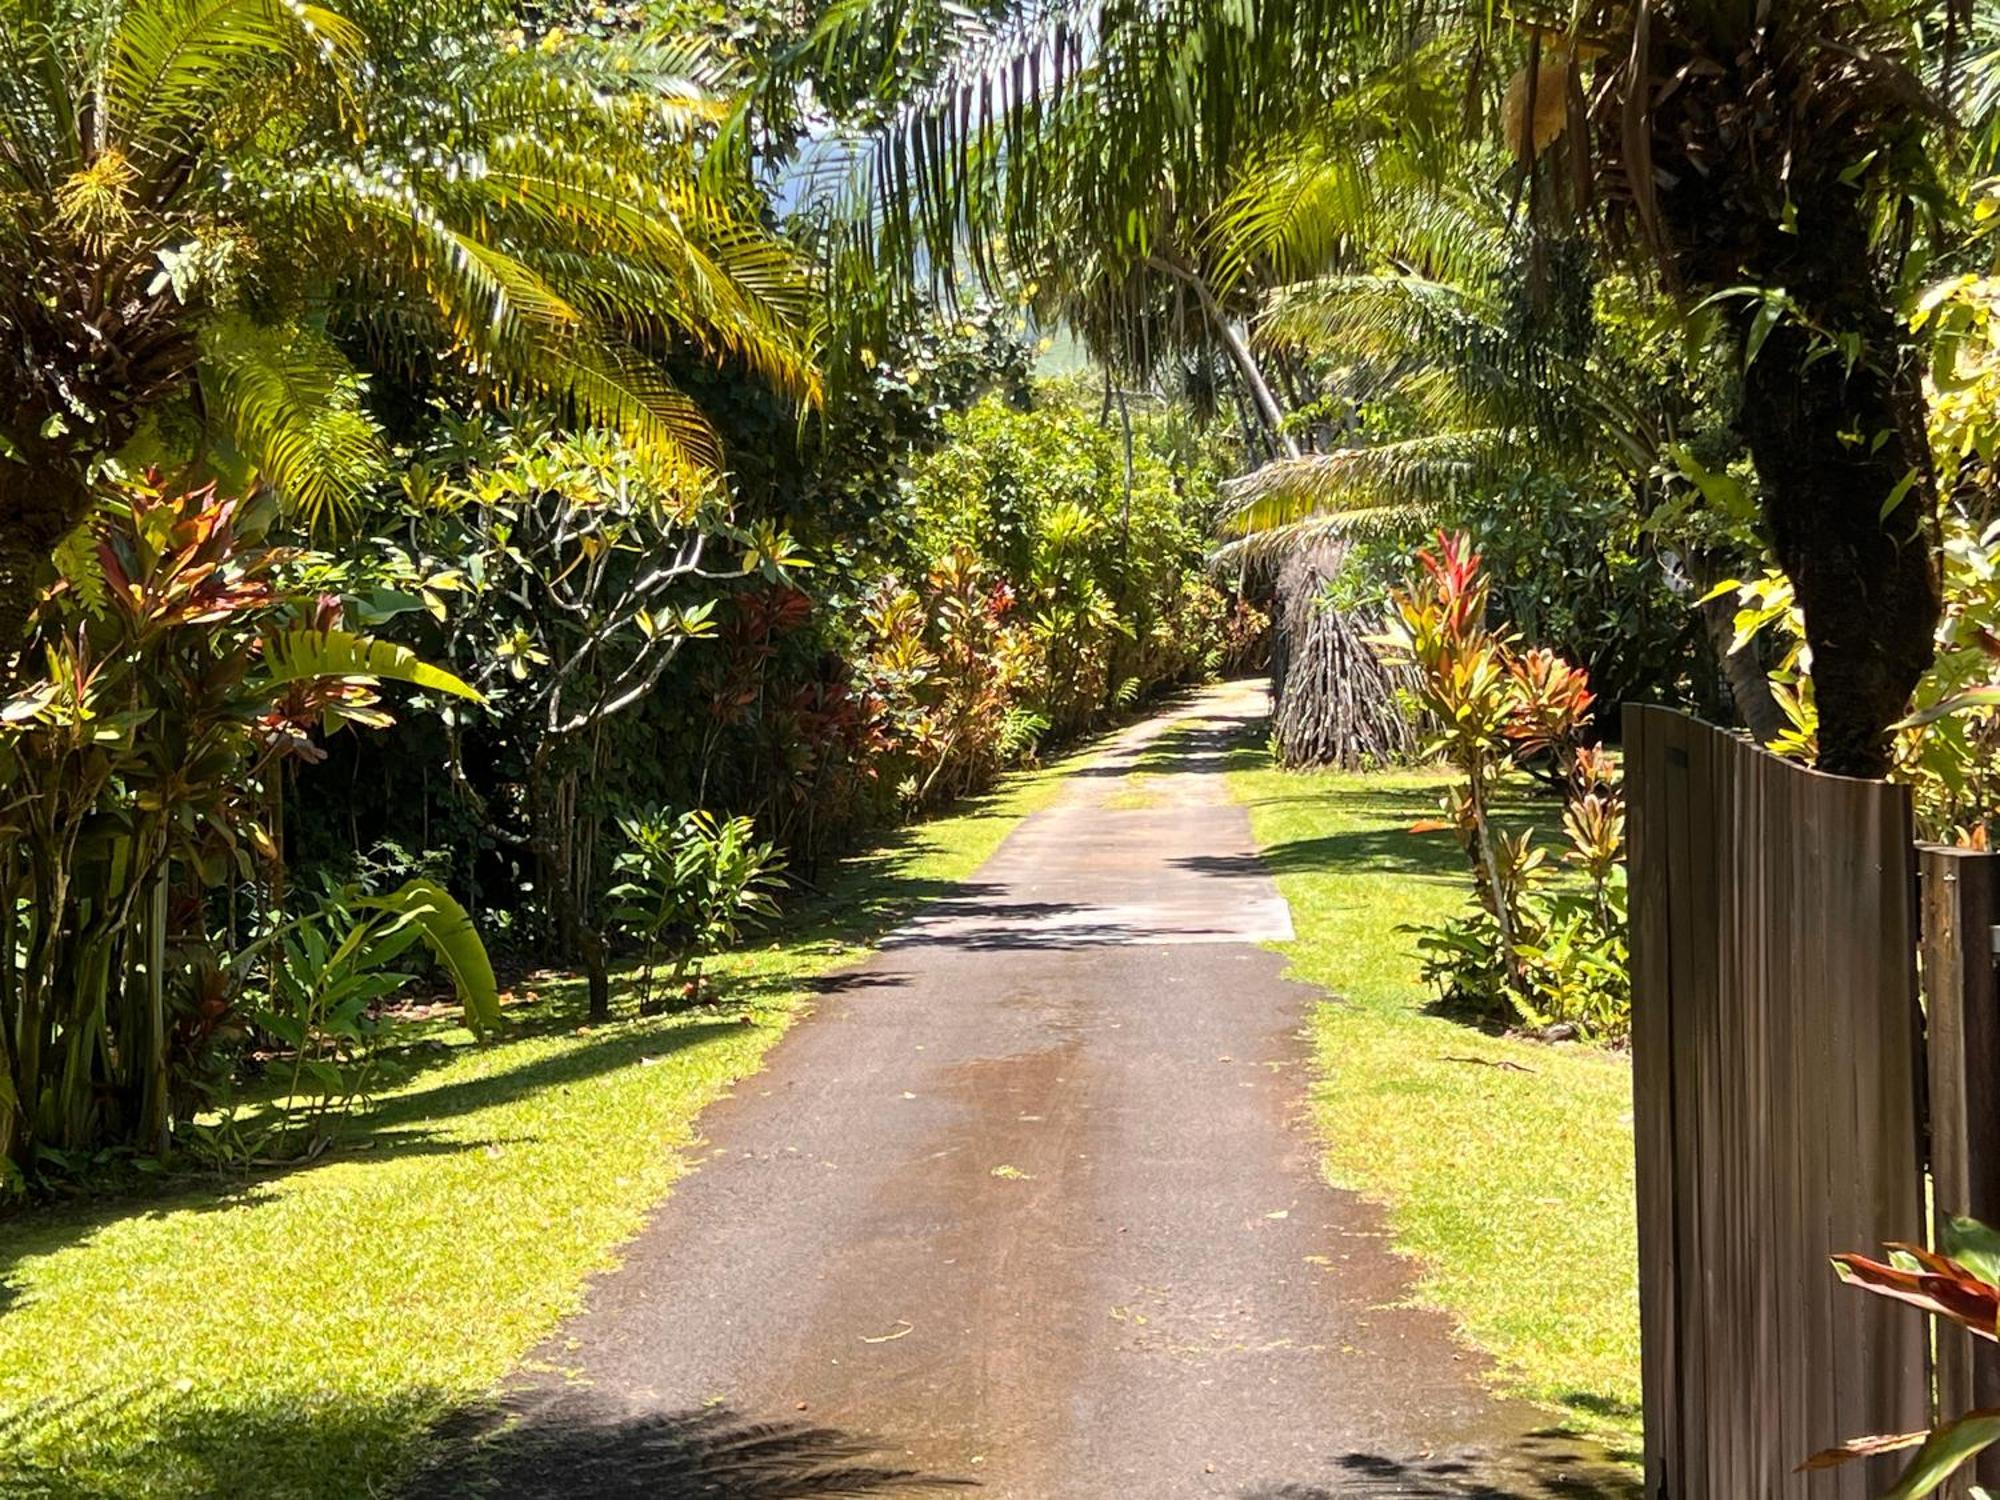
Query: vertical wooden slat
{"x": 1714, "y": 1152}
{"x": 1761, "y": 1409}
{"x": 1775, "y": 1094}
{"x": 1790, "y": 1037}
{"x": 1845, "y": 1349}
{"x": 1689, "y": 902}
{"x": 1652, "y": 1093}
{"x": 1960, "y": 892}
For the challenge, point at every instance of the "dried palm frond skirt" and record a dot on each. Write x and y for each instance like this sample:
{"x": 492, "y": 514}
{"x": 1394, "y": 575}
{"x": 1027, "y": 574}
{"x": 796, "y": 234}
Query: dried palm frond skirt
{"x": 1334, "y": 702}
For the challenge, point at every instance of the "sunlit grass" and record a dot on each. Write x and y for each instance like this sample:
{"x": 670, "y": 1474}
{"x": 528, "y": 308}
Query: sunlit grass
{"x": 298, "y": 1334}
{"x": 1506, "y": 1166}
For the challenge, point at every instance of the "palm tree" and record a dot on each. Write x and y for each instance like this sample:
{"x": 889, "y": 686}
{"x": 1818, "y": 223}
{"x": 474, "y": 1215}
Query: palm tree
{"x": 1774, "y": 154}
{"x": 1778, "y": 157}
{"x": 214, "y": 214}
{"x": 1486, "y": 337}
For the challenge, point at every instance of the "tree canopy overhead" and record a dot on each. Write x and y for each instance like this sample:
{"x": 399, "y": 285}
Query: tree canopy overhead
{"x": 1775, "y": 160}
{"x": 215, "y": 217}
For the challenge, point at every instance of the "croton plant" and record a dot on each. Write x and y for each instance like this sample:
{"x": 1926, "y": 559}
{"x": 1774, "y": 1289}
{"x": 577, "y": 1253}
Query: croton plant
{"x": 1959, "y": 1281}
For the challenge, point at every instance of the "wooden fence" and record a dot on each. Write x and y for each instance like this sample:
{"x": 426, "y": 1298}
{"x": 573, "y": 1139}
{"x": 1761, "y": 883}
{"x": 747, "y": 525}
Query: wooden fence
{"x": 1778, "y": 1081}
{"x": 1960, "y": 893}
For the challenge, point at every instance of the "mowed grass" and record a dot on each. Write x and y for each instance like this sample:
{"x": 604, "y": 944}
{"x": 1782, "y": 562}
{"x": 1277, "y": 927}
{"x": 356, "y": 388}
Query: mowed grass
{"x": 298, "y": 1334}
{"x": 1505, "y": 1166}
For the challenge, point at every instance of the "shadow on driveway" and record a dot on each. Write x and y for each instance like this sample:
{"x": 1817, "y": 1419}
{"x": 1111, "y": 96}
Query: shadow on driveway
{"x": 567, "y": 1448}
{"x": 1543, "y": 1466}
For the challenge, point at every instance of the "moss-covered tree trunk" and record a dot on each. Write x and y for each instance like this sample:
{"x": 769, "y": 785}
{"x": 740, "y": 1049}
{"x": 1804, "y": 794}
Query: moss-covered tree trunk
{"x": 1832, "y": 449}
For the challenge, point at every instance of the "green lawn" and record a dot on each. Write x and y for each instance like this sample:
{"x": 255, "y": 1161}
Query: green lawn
{"x": 297, "y": 1334}
{"x": 1506, "y": 1166}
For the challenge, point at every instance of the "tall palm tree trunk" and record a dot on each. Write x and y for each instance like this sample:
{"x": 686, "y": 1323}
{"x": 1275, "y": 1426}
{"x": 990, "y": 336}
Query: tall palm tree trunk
{"x": 1831, "y": 450}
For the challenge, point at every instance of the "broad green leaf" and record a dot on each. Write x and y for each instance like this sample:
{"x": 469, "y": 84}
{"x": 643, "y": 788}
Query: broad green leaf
{"x": 448, "y": 929}
{"x": 1723, "y": 491}
{"x": 302, "y": 655}
{"x": 1974, "y": 1245}
{"x": 1946, "y": 1449}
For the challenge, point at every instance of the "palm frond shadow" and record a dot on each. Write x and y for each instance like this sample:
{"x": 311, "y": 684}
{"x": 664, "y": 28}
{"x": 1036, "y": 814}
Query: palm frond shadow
{"x": 568, "y": 1448}
{"x": 1545, "y": 1466}
{"x": 1199, "y": 749}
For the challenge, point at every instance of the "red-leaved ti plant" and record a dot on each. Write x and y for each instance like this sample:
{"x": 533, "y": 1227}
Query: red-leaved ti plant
{"x": 1959, "y": 1282}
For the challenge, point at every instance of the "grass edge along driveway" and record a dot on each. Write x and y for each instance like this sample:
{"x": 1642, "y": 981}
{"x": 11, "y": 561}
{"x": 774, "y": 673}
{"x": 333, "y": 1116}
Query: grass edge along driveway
{"x": 297, "y": 1335}
{"x": 1505, "y": 1166}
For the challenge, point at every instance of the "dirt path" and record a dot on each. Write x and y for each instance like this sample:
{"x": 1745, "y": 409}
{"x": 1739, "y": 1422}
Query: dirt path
{"x": 1029, "y": 1204}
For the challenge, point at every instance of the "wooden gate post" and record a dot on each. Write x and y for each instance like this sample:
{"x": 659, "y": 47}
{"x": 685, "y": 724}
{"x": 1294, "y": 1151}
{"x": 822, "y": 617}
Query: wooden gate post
{"x": 1960, "y": 891}
{"x": 1776, "y": 1081}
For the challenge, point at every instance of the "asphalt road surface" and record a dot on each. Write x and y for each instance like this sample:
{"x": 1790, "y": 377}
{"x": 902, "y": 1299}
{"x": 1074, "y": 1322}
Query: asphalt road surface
{"x": 1029, "y": 1207}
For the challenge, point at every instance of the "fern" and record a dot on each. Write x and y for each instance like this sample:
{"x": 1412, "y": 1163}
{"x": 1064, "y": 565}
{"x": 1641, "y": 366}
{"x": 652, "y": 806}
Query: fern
{"x": 76, "y": 558}
{"x": 1020, "y": 731}
{"x": 305, "y": 654}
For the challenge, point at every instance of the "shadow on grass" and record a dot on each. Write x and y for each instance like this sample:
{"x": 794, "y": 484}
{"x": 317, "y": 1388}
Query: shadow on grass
{"x": 574, "y": 1447}
{"x": 1550, "y": 1465}
{"x": 617, "y": 1047}
{"x": 349, "y": 1445}
{"x": 872, "y": 893}
{"x": 1382, "y": 814}
{"x": 391, "y": 1129}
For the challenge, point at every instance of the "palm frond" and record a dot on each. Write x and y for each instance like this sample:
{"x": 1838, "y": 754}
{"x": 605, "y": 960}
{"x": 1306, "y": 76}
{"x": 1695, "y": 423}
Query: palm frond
{"x": 1294, "y": 537}
{"x": 1365, "y": 190}
{"x": 1382, "y": 315}
{"x": 292, "y": 405}
{"x": 720, "y": 281}
{"x": 509, "y": 321}
{"x": 173, "y": 64}
{"x": 1383, "y": 487}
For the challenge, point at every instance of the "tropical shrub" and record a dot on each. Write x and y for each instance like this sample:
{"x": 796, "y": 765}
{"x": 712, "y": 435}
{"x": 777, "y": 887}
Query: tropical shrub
{"x": 1959, "y": 1283}
{"x": 947, "y": 667}
{"x": 690, "y": 884}
{"x": 582, "y": 567}
{"x": 324, "y": 977}
{"x": 1529, "y": 952}
{"x": 1103, "y": 556}
{"x": 183, "y": 668}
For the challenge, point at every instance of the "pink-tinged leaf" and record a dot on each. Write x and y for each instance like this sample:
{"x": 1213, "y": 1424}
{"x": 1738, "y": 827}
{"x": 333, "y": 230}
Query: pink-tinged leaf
{"x": 1962, "y": 1298}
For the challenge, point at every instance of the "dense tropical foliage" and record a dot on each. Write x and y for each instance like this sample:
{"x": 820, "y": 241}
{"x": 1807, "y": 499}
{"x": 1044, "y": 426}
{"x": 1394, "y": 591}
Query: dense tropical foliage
{"x": 614, "y": 382}
{"x": 492, "y": 488}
